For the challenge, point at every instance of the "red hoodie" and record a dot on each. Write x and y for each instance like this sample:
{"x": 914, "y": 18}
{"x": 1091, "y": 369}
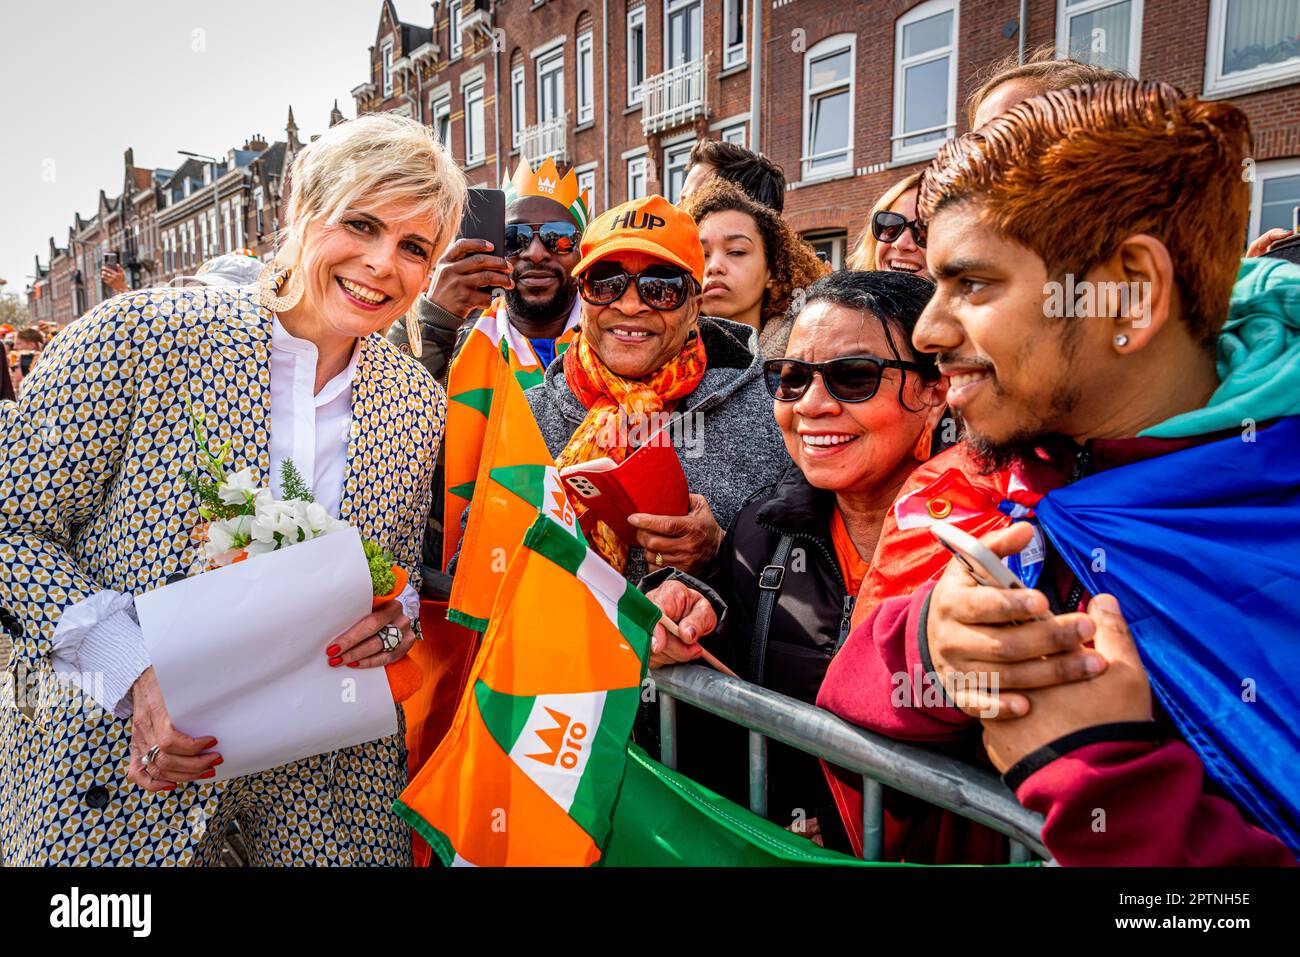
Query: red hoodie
{"x": 1150, "y": 784}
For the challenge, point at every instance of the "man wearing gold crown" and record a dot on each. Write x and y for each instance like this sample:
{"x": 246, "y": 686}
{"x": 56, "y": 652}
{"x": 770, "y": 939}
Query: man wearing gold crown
{"x": 538, "y": 315}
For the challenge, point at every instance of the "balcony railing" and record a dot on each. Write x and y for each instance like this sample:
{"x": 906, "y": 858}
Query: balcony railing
{"x": 547, "y": 138}
{"x": 676, "y": 96}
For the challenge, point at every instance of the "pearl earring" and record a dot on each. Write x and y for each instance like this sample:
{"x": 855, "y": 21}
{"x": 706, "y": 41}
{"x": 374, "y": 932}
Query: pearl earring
{"x": 1121, "y": 341}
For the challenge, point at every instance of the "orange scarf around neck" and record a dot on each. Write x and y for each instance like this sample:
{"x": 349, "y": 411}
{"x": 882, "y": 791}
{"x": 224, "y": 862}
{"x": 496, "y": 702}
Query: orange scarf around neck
{"x": 619, "y": 407}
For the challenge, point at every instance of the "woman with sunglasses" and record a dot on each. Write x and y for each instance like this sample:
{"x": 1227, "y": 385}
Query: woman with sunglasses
{"x": 646, "y": 359}
{"x": 857, "y": 407}
{"x": 893, "y": 240}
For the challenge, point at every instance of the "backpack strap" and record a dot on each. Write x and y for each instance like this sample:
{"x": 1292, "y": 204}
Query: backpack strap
{"x": 769, "y": 590}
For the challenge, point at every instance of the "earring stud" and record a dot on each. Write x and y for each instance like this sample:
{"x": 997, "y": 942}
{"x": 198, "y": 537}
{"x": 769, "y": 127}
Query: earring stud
{"x": 1121, "y": 341}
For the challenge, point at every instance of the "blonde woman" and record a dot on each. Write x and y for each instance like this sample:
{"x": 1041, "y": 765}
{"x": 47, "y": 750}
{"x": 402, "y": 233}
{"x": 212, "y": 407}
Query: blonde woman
{"x": 893, "y": 240}
{"x": 96, "y": 510}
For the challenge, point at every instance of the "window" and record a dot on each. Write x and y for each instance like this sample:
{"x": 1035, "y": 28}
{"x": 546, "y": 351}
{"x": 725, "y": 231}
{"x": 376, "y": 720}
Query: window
{"x": 925, "y": 79}
{"x": 734, "y": 134}
{"x": 213, "y": 234}
{"x": 1275, "y": 194}
{"x": 636, "y": 177}
{"x": 733, "y": 33}
{"x": 1252, "y": 44}
{"x": 635, "y": 55}
{"x": 683, "y": 31}
{"x": 227, "y": 226}
{"x": 453, "y": 29}
{"x": 587, "y": 181}
{"x": 203, "y": 236}
{"x": 386, "y": 67}
{"x": 1102, "y": 32}
{"x": 586, "y": 80}
{"x": 676, "y": 159}
{"x": 550, "y": 85}
{"x": 829, "y": 247}
{"x": 475, "y": 141}
{"x": 828, "y": 106}
{"x": 518, "y": 115}
{"x": 237, "y": 217}
{"x": 260, "y": 203}
{"x": 442, "y": 121}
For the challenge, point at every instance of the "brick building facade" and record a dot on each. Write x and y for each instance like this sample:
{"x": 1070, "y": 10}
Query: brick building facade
{"x": 850, "y": 97}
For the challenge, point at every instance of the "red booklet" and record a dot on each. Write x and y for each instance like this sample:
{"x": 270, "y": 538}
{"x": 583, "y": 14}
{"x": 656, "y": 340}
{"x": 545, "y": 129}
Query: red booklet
{"x": 650, "y": 481}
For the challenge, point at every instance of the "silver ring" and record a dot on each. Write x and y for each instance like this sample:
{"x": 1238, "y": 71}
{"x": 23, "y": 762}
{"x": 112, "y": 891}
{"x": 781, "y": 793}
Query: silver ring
{"x": 150, "y": 756}
{"x": 390, "y": 636}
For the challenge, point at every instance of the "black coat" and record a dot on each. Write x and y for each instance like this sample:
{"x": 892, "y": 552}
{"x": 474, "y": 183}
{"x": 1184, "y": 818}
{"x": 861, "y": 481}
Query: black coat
{"x": 809, "y": 619}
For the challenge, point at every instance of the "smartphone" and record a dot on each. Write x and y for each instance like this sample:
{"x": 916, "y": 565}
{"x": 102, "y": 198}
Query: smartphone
{"x": 110, "y": 259}
{"x": 25, "y": 362}
{"x": 485, "y": 218}
{"x": 985, "y": 567}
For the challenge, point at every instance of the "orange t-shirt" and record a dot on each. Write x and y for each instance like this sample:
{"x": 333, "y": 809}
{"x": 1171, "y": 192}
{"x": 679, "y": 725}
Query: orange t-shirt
{"x": 853, "y": 566}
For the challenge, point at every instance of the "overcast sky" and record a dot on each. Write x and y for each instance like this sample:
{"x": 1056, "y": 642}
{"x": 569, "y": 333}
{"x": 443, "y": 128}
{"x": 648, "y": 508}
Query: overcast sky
{"x": 81, "y": 80}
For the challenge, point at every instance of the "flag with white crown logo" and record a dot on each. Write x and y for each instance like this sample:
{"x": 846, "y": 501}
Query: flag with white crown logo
{"x": 530, "y": 770}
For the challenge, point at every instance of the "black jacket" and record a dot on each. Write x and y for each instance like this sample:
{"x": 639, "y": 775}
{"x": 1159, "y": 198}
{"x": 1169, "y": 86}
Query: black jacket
{"x": 809, "y": 618}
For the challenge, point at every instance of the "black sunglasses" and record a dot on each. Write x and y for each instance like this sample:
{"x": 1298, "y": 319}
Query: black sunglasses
{"x": 847, "y": 379}
{"x": 559, "y": 237}
{"x": 662, "y": 288}
{"x": 887, "y": 226}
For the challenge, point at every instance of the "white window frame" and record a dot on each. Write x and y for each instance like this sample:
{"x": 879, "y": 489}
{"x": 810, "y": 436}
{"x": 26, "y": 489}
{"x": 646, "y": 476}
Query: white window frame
{"x": 671, "y": 7}
{"x": 1266, "y": 170}
{"x": 1066, "y": 10}
{"x": 586, "y": 175}
{"x": 586, "y": 79}
{"x": 671, "y": 151}
{"x": 839, "y": 242}
{"x": 440, "y": 109}
{"x": 1246, "y": 81}
{"x": 552, "y": 61}
{"x": 635, "y": 18}
{"x": 472, "y": 96}
{"x": 455, "y": 43}
{"x": 831, "y": 45}
{"x": 636, "y": 169}
{"x": 518, "y": 106}
{"x": 386, "y": 67}
{"x": 735, "y": 133}
{"x": 735, "y": 54}
{"x": 926, "y": 10}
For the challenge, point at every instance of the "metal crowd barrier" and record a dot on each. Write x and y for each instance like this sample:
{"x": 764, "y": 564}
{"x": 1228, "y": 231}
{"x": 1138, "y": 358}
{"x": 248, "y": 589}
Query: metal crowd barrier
{"x": 974, "y": 793}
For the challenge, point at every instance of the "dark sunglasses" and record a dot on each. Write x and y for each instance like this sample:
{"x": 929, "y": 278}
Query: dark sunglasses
{"x": 887, "y": 226}
{"x": 662, "y": 288}
{"x": 559, "y": 237}
{"x": 847, "y": 379}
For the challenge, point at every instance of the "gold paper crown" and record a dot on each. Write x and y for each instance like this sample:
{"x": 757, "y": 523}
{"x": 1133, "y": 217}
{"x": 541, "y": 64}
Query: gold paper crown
{"x": 548, "y": 183}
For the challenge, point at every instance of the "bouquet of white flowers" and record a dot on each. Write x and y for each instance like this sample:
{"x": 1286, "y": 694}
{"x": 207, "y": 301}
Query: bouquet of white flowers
{"x": 244, "y": 521}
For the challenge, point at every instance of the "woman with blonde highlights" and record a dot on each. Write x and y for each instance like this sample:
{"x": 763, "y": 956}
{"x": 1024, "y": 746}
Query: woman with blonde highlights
{"x": 892, "y": 240}
{"x": 97, "y": 511}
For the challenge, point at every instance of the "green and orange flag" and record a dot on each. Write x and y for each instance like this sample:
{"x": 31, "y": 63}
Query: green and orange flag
{"x": 530, "y": 770}
{"x": 470, "y": 388}
{"x": 515, "y": 480}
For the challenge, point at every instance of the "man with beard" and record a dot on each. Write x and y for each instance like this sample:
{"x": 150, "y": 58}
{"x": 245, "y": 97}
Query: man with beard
{"x": 538, "y": 315}
{"x": 1151, "y": 439}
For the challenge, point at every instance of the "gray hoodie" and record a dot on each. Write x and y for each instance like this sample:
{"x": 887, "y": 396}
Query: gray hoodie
{"x": 724, "y": 432}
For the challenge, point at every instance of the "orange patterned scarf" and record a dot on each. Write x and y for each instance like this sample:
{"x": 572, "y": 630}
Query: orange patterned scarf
{"x": 619, "y": 408}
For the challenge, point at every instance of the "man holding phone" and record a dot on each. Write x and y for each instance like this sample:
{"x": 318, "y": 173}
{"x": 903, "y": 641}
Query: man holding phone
{"x": 1154, "y": 446}
{"x": 544, "y": 219}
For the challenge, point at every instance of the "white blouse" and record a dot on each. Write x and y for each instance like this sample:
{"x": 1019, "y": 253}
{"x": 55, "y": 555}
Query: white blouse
{"x": 100, "y": 636}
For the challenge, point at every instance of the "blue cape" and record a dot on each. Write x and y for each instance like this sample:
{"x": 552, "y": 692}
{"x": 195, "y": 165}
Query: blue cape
{"x": 1202, "y": 549}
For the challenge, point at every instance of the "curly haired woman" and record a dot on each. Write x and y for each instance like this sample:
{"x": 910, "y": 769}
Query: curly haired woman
{"x": 753, "y": 262}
